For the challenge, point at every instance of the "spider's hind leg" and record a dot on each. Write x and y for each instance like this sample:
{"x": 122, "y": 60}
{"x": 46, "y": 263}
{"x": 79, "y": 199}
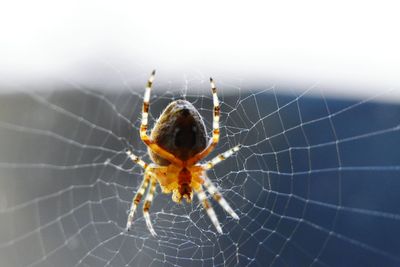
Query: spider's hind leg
{"x": 136, "y": 159}
{"x": 144, "y": 126}
{"x": 215, "y": 133}
{"x": 221, "y": 157}
{"x": 145, "y": 108}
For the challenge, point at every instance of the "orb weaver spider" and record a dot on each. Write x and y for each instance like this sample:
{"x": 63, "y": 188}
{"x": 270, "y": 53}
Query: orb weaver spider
{"x": 177, "y": 143}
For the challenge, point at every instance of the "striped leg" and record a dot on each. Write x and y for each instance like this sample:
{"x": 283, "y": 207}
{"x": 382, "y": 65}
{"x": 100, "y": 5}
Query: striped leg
{"x": 210, "y": 211}
{"x": 136, "y": 200}
{"x": 144, "y": 126}
{"x": 136, "y": 159}
{"x": 215, "y": 133}
{"x": 146, "y": 107}
{"x": 216, "y": 115}
{"x": 219, "y": 198}
{"x": 147, "y": 205}
{"x": 210, "y": 164}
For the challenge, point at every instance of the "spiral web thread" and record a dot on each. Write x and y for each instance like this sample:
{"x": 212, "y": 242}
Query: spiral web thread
{"x": 315, "y": 183}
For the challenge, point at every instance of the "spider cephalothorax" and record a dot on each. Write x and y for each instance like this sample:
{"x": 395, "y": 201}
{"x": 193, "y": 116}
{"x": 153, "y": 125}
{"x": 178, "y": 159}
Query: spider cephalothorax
{"x": 177, "y": 143}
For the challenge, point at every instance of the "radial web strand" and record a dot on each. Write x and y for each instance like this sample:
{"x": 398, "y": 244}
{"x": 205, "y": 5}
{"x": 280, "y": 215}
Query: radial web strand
{"x": 316, "y": 181}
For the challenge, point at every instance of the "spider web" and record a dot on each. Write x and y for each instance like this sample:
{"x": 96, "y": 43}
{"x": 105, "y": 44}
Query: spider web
{"x": 316, "y": 182}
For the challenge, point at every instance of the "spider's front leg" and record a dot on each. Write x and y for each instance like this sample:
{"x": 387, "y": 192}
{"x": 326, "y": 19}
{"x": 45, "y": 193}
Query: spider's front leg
{"x": 147, "y": 205}
{"x": 136, "y": 200}
{"x": 139, "y": 194}
{"x": 149, "y": 177}
{"x": 209, "y": 209}
{"x": 156, "y": 174}
{"x": 212, "y": 189}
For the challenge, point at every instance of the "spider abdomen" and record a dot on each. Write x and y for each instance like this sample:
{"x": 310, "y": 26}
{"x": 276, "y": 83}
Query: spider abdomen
{"x": 180, "y": 130}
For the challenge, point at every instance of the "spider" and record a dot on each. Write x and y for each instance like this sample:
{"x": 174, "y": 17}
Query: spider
{"x": 176, "y": 144}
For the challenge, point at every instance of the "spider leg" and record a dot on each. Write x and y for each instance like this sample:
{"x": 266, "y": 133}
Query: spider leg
{"x": 147, "y": 205}
{"x": 143, "y": 127}
{"x": 212, "y": 189}
{"x": 210, "y": 211}
{"x": 223, "y": 156}
{"x": 136, "y": 159}
{"x": 215, "y": 134}
{"x": 136, "y": 200}
{"x": 216, "y": 114}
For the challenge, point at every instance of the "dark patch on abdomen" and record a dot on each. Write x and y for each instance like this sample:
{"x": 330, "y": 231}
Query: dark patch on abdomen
{"x": 185, "y": 138}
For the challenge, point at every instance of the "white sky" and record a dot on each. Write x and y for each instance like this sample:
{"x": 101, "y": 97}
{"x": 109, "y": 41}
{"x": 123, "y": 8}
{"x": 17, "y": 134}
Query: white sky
{"x": 336, "y": 42}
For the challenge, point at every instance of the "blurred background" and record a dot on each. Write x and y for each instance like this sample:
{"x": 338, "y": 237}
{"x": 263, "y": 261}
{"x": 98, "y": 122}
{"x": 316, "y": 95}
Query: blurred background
{"x": 310, "y": 89}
